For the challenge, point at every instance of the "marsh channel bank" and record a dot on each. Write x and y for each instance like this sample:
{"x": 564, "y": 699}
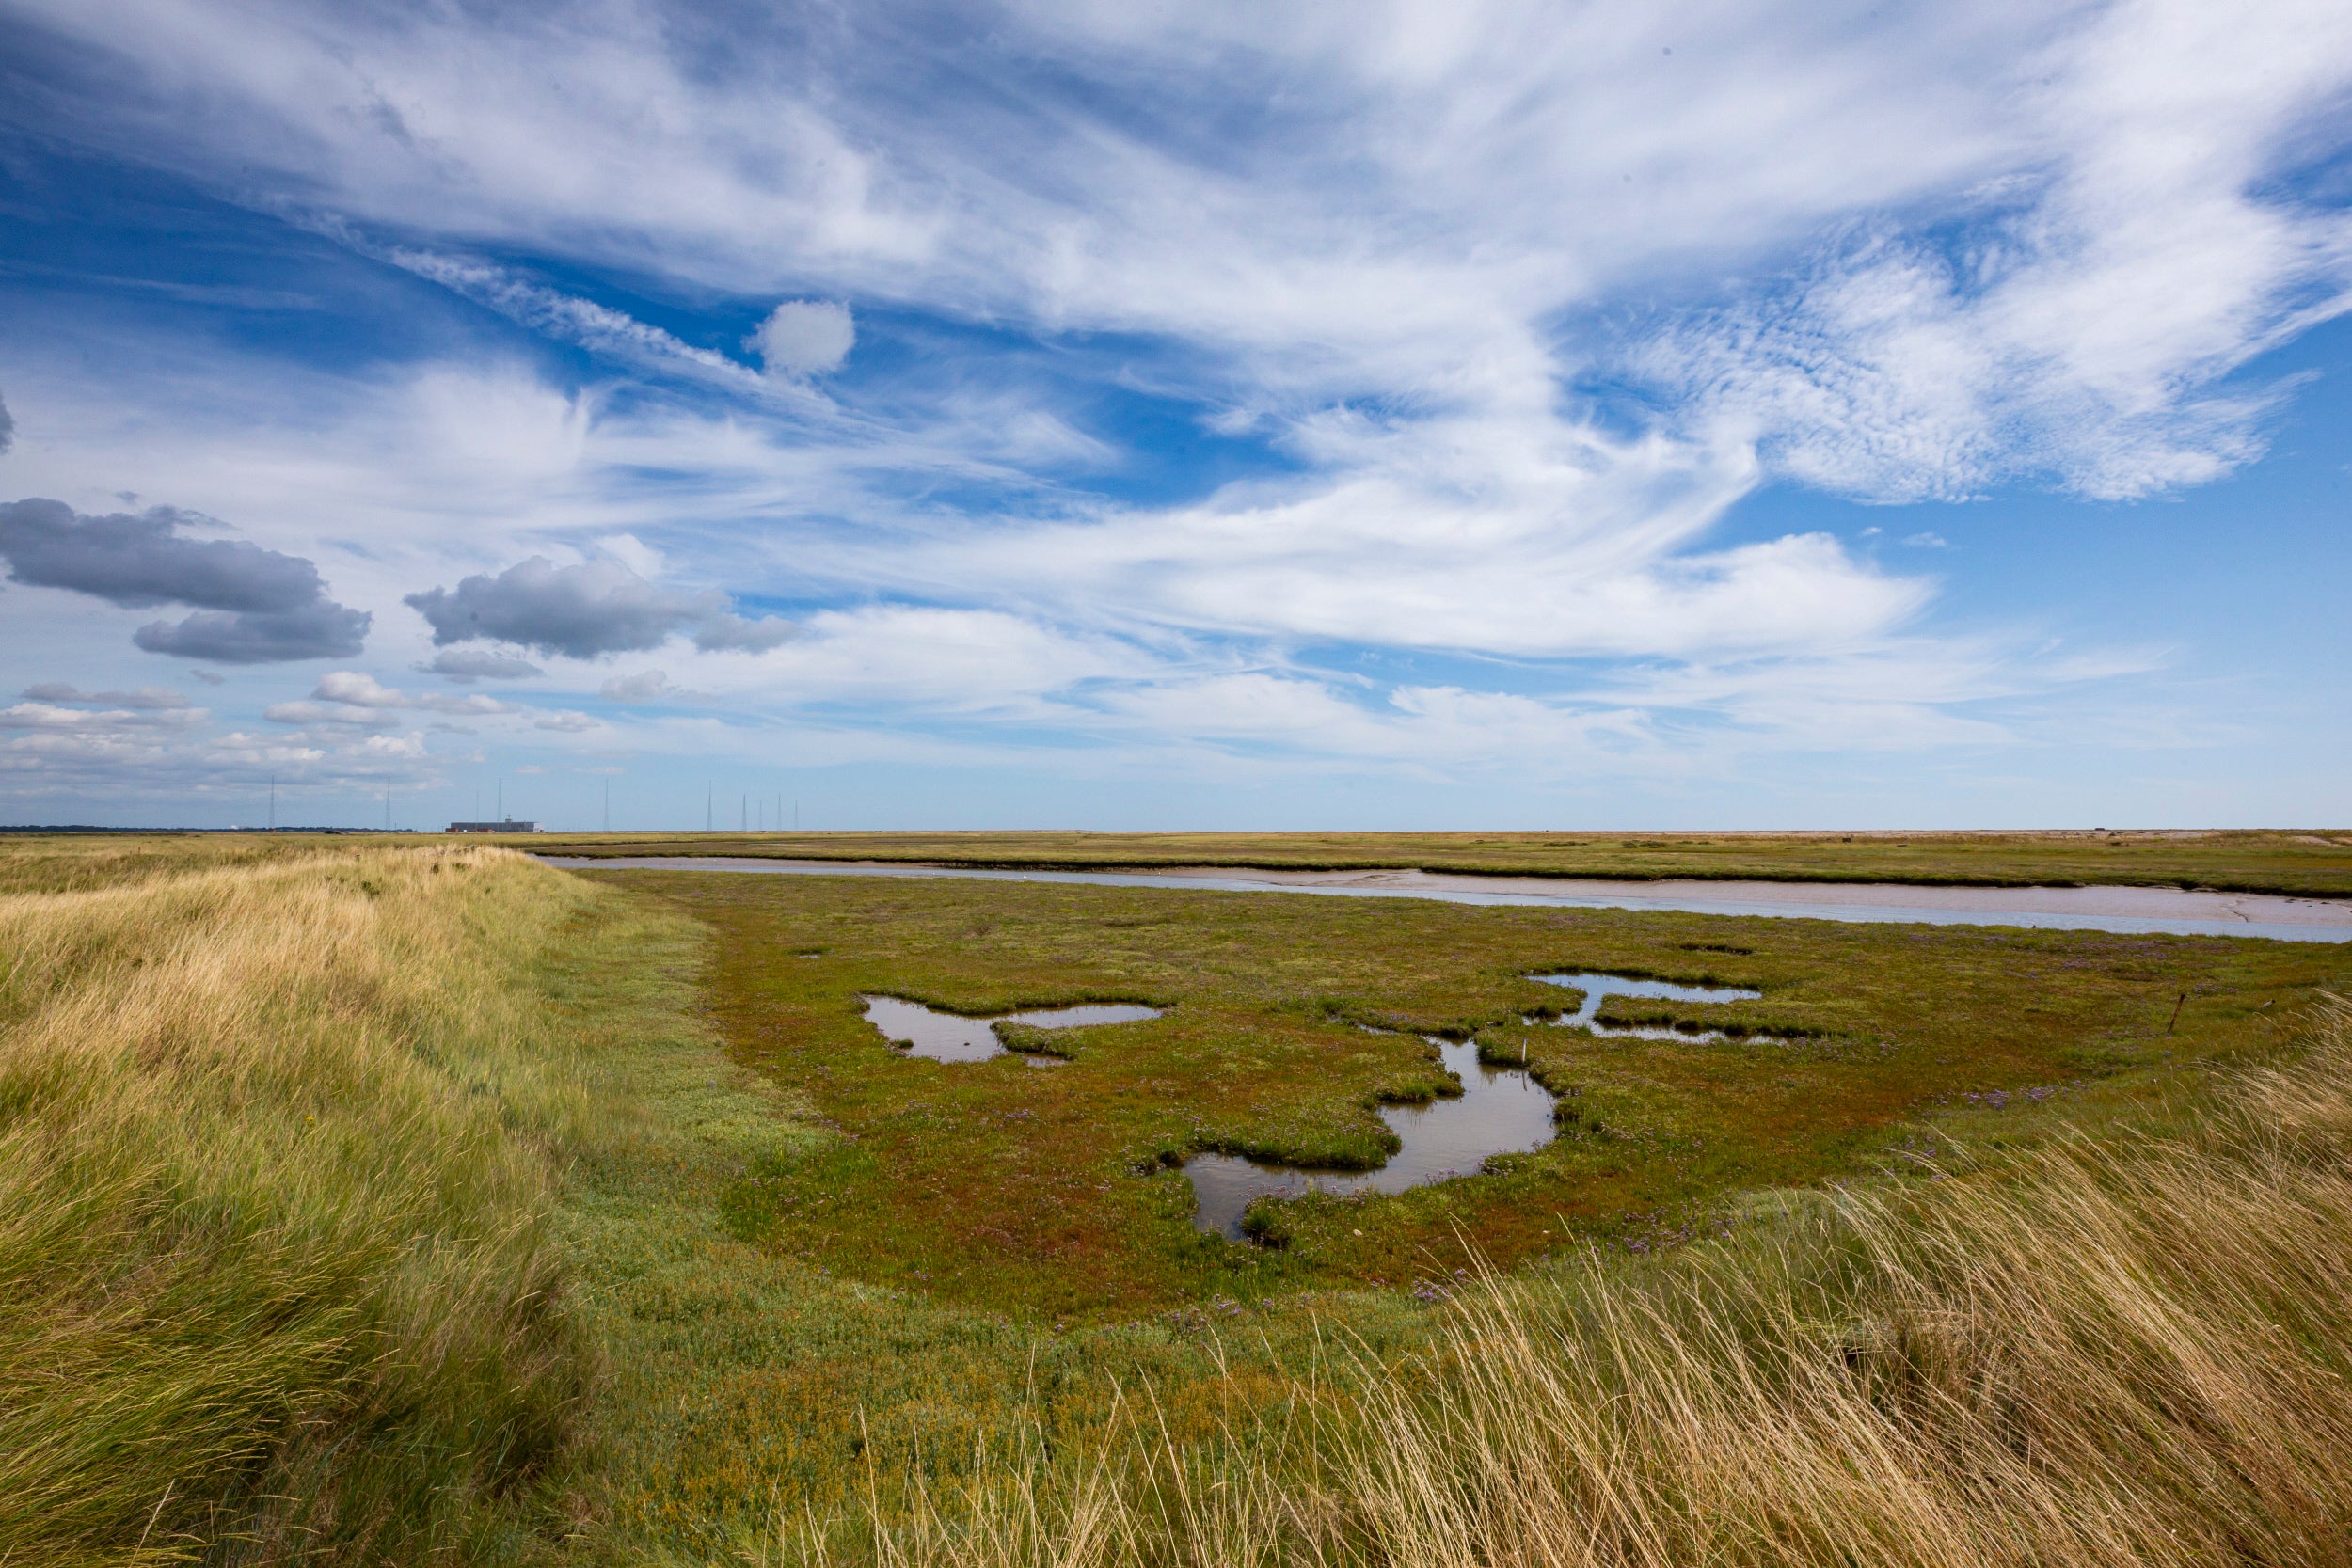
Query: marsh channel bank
{"x": 2142, "y": 911}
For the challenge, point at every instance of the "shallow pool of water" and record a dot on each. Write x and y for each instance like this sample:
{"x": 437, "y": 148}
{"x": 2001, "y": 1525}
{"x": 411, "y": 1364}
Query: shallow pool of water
{"x": 1501, "y": 1111}
{"x": 1597, "y": 987}
{"x": 954, "y": 1038}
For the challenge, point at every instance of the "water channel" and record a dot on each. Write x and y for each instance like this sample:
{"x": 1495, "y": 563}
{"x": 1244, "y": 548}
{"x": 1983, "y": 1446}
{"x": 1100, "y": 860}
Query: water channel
{"x": 955, "y": 1037}
{"x": 1501, "y": 1111}
{"x": 1597, "y": 987}
{"x": 2175, "y": 911}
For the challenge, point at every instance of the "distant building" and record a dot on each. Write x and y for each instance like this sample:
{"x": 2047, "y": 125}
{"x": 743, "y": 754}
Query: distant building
{"x": 507, "y": 827}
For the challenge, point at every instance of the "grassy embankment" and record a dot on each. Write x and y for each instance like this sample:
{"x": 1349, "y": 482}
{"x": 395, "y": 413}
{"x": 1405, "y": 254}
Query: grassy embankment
{"x": 521, "y": 1288}
{"x": 306, "y": 1155}
{"x": 273, "y": 1175}
{"x": 2314, "y": 863}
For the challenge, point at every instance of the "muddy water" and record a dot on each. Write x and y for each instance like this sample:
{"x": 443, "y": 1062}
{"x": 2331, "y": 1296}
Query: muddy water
{"x": 1501, "y": 1111}
{"x": 1597, "y": 987}
{"x": 2177, "y": 912}
{"x": 954, "y": 1038}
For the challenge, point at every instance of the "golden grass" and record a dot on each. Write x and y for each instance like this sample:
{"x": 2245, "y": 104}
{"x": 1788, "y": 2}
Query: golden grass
{"x": 277, "y": 1146}
{"x": 2109, "y": 1353}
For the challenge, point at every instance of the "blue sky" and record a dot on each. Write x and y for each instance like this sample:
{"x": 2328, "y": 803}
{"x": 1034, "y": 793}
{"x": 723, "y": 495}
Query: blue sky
{"x": 1166, "y": 416}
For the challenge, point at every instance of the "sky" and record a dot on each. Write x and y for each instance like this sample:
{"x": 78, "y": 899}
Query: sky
{"x": 1081, "y": 415}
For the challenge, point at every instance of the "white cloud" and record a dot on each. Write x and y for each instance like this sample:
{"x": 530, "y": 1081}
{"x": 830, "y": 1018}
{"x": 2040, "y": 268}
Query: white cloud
{"x": 648, "y": 686}
{"x": 154, "y": 697}
{"x": 804, "y": 337}
{"x": 2078, "y": 330}
{"x": 1982, "y": 243}
{"x": 76, "y": 721}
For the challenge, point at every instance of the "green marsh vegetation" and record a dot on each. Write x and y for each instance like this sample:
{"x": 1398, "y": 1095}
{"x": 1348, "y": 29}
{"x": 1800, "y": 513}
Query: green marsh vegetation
{"x": 2313, "y": 863}
{"x": 356, "y": 1211}
{"x": 1002, "y": 1186}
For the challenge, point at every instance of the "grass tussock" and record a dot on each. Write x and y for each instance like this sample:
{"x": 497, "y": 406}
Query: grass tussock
{"x": 2098, "y": 1352}
{"x": 278, "y": 1140}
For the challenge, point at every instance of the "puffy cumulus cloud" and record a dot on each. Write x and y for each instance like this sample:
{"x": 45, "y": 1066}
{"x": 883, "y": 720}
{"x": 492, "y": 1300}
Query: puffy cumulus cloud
{"x": 587, "y": 611}
{"x": 323, "y": 631}
{"x": 648, "y": 686}
{"x": 466, "y": 665}
{"x": 141, "y": 561}
{"x": 359, "y": 690}
{"x": 256, "y": 605}
{"x": 804, "y": 337}
{"x": 65, "y": 741}
{"x": 349, "y": 697}
{"x": 154, "y": 697}
{"x": 308, "y": 711}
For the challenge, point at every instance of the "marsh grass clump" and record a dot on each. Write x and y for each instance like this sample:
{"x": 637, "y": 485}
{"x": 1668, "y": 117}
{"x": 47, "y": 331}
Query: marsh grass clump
{"x": 277, "y": 1139}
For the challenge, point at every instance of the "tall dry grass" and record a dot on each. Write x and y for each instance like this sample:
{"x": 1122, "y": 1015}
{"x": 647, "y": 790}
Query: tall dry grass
{"x": 2109, "y": 1350}
{"x": 2104, "y": 1352}
{"x": 278, "y": 1140}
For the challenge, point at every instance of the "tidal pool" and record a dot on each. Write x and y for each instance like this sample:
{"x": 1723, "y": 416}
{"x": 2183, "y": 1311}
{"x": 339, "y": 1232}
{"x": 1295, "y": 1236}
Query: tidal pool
{"x": 1597, "y": 987}
{"x": 1501, "y": 1111}
{"x": 954, "y": 1038}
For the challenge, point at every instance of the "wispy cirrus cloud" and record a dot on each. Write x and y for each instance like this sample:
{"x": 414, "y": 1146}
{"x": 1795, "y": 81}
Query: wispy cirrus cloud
{"x": 1499, "y": 314}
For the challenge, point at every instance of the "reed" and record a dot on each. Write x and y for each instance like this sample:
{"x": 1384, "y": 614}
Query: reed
{"x": 278, "y": 1143}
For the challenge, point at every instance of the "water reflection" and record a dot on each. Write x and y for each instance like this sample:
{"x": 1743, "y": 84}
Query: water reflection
{"x": 1501, "y": 1111}
{"x": 1597, "y": 987}
{"x": 954, "y": 1038}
